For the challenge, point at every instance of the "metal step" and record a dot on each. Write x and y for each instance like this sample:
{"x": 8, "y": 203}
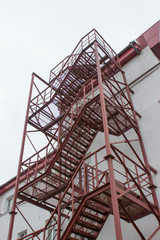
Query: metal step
{"x": 97, "y": 207}
{"x": 72, "y": 238}
{"x": 69, "y": 165}
{"x": 70, "y": 159}
{"x": 99, "y": 200}
{"x": 88, "y": 225}
{"x": 73, "y": 153}
{"x": 78, "y": 148}
{"x": 92, "y": 217}
{"x": 78, "y": 140}
{"x": 82, "y": 233}
{"x": 62, "y": 171}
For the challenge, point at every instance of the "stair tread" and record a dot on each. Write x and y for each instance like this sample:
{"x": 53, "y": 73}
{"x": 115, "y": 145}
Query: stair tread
{"x": 74, "y": 150}
{"x": 72, "y": 238}
{"x": 82, "y": 233}
{"x": 103, "y": 202}
{"x": 70, "y": 90}
{"x": 81, "y": 132}
{"x": 99, "y": 208}
{"x": 57, "y": 177}
{"x": 71, "y": 144}
{"x": 63, "y": 171}
{"x": 65, "y": 164}
{"x": 91, "y": 216}
{"x": 84, "y": 128}
{"x": 88, "y": 225}
{"x": 69, "y": 158}
{"x": 77, "y": 139}
{"x": 74, "y": 154}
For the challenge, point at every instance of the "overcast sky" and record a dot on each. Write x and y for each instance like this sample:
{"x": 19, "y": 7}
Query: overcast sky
{"x": 35, "y": 35}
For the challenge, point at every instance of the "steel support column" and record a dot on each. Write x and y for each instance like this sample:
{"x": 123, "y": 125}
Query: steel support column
{"x": 143, "y": 148}
{"x": 108, "y": 150}
{"x": 19, "y": 166}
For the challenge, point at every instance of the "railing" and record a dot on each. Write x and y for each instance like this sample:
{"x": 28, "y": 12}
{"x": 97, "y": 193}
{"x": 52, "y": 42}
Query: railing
{"x": 61, "y": 71}
{"x": 31, "y": 164}
{"x": 115, "y": 91}
{"x": 83, "y": 43}
{"x": 41, "y": 99}
{"x": 130, "y": 172}
{"x": 88, "y": 91}
{"x": 91, "y": 174}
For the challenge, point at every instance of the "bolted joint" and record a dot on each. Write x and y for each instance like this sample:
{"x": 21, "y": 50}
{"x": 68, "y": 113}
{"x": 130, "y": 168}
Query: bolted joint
{"x": 152, "y": 186}
{"x": 109, "y": 156}
{"x": 13, "y": 212}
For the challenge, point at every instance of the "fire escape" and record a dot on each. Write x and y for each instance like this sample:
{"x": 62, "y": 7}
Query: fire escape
{"x": 87, "y": 96}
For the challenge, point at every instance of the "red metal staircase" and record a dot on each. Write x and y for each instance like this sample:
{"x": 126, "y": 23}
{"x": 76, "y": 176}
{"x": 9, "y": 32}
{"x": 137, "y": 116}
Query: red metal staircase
{"x": 80, "y": 189}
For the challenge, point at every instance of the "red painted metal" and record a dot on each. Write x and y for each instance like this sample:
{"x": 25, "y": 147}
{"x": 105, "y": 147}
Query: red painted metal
{"x": 80, "y": 190}
{"x": 109, "y": 156}
{"x": 26, "y": 220}
{"x": 19, "y": 168}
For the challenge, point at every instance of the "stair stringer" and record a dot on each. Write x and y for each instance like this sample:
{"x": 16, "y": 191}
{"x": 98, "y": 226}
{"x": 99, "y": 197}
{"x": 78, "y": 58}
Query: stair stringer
{"x": 87, "y": 197}
{"x": 57, "y": 154}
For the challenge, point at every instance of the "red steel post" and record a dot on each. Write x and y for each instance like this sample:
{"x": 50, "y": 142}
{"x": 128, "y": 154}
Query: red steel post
{"x": 142, "y": 147}
{"x": 73, "y": 197}
{"x": 108, "y": 150}
{"x": 59, "y": 222}
{"x": 19, "y": 166}
{"x": 96, "y": 164}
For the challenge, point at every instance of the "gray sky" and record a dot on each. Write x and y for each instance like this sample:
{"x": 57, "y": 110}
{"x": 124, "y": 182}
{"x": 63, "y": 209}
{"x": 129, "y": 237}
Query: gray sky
{"x": 35, "y": 35}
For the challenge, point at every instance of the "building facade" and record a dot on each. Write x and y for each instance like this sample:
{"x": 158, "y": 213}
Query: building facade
{"x": 140, "y": 61}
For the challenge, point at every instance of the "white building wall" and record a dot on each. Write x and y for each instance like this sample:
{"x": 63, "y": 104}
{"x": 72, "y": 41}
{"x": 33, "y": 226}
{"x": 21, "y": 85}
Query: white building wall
{"x": 146, "y": 99}
{"x": 33, "y": 214}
